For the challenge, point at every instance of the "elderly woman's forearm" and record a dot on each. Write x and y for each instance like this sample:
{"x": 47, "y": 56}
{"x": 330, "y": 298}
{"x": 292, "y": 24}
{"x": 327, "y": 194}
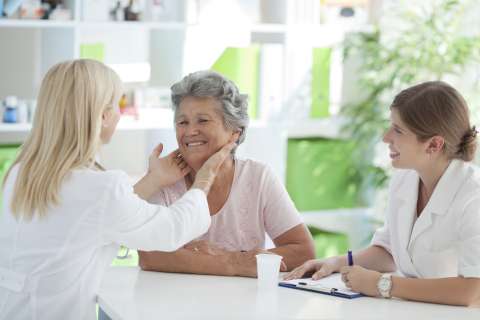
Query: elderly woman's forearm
{"x": 295, "y": 255}
{"x": 185, "y": 261}
{"x": 295, "y": 245}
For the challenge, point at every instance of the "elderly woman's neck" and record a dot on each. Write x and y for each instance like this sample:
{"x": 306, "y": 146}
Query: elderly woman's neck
{"x": 226, "y": 170}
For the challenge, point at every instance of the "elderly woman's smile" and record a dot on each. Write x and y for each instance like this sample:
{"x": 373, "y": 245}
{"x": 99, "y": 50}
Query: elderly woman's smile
{"x": 200, "y": 129}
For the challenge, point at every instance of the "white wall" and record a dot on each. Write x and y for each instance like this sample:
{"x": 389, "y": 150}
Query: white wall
{"x": 17, "y": 68}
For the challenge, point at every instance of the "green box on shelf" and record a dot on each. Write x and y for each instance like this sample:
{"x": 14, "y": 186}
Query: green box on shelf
{"x": 241, "y": 65}
{"x": 7, "y": 156}
{"x": 320, "y": 85}
{"x": 95, "y": 51}
{"x": 320, "y": 174}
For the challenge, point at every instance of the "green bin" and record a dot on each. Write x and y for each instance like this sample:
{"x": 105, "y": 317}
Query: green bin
{"x": 7, "y": 156}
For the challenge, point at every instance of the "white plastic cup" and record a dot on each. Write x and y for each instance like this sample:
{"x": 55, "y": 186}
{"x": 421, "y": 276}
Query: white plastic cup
{"x": 268, "y": 269}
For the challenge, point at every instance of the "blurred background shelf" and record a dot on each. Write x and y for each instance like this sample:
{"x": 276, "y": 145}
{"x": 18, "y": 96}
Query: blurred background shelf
{"x": 24, "y": 23}
{"x": 284, "y": 54}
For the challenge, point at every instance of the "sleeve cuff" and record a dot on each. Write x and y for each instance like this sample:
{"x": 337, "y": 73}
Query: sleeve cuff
{"x": 380, "y": 243}
{"x": 470, "y": 272}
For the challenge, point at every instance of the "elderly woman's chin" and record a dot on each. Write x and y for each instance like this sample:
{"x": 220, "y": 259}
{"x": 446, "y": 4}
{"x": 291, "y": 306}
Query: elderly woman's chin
{"x": 196, "y": 159}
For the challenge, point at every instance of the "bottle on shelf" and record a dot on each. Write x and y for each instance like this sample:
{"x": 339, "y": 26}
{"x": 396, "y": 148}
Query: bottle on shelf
{"x": 132, "y": 12}
{"x": 10, "y": 110}
{"x": 116, "y": 14}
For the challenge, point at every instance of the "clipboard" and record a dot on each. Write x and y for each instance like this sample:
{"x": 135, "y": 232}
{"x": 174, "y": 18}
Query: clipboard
{"x": 331, "y": 285}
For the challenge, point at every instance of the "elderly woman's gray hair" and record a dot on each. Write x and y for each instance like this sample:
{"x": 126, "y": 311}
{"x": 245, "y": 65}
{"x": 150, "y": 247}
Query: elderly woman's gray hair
{"x": 212, "y": 84}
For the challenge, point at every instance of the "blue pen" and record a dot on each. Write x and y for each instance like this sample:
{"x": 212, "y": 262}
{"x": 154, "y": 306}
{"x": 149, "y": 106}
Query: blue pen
{"x": 350, "y": 258}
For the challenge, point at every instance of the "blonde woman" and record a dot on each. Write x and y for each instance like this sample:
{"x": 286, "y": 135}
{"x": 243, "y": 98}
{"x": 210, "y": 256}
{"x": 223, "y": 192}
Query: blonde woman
{"x": 64, "y": 216}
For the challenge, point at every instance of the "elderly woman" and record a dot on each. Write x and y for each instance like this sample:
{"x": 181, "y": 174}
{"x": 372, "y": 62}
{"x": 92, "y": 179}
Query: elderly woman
{"x": 246, "y": 200}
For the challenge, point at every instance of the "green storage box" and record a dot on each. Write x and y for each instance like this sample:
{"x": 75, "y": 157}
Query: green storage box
{"x": 7, "y": 156}
{"x": 241, "y": 65}
{"x": 320, "y": 174}
{"x": 320, "y": 85}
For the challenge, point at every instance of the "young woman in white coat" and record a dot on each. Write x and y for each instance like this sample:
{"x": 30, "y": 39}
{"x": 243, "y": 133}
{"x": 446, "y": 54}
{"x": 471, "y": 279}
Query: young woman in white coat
{"x": 64, "y": 216}
{"x": 431, "y": 235}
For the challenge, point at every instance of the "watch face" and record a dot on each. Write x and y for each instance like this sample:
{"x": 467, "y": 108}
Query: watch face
{"x": 384, "y": 284}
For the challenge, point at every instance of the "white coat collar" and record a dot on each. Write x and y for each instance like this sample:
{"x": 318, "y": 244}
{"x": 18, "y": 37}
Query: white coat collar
{"x": 442, "y": 197}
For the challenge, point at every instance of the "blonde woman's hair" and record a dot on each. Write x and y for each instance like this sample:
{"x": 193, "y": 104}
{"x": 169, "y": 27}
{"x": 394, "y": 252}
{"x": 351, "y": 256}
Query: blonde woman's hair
{"x": 65, "y": 134}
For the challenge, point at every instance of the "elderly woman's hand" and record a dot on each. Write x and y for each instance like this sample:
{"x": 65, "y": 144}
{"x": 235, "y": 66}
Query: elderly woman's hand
{"x": 361, "y": 280}
{"x": 169, "y": 169}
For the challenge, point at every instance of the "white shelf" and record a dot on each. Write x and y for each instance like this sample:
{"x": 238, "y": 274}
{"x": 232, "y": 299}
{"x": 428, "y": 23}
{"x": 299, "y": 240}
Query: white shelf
{"x": 14, "y": 127}
{"x": 356, "y": 223}
{"x": 316, "y": 128}
{"x": 268, "y": 28}
{"x": 26, "y": 23}
{"x": 129, "y": 24}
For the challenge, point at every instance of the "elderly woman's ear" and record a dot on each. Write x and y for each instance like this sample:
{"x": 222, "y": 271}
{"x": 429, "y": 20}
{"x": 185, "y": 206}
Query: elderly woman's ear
{"x": 236, "y": 136}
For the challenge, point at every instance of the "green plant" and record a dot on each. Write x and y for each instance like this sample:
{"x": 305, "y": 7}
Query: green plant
{"x": 424, "y": 41}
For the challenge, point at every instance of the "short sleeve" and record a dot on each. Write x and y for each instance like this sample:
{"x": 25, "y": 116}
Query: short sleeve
{"x": 469, "y": 240}
{"x": 279, "y": 211}
{"x": 135, "y": 223}
{"x": 381, "y": 238}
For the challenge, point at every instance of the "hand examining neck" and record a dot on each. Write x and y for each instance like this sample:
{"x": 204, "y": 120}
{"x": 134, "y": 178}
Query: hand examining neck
{"x": 162, "y": 172}
{"x": 205, "y": 177}
{"x": 226, "y": 169}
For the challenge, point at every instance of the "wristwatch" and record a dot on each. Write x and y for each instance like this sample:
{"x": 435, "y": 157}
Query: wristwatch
{"x": 384, "y": 285}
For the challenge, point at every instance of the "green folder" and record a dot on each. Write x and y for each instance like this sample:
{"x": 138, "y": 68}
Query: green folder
{"x": 95, "y": 51}
{"x": 320, "y": 85}
{"x": 7, "y": 156}
{"x": 241, "y": 65}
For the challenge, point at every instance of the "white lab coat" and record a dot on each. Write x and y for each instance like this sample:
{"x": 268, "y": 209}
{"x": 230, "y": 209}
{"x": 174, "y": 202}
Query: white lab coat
{"x": 51, "y": 268}
{"x": 445, "y": 240}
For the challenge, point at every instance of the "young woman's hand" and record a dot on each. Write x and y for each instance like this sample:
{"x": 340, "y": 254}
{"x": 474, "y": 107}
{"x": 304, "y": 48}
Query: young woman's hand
{"x": 207, "y": 173}
{"x": 316, "y": 268}
{"x": 361, "y": 280}
{"x": 168, "y": 169}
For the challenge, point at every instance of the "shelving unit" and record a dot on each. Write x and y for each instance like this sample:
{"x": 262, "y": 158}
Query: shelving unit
{"x": 176, "y": 46}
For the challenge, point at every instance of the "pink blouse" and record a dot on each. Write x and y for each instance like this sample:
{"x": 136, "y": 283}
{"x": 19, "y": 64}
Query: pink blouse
{"x": 257, "y": 204}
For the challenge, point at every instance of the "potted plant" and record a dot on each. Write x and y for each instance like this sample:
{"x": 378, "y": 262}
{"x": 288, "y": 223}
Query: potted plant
{"x": 410, "y": 44}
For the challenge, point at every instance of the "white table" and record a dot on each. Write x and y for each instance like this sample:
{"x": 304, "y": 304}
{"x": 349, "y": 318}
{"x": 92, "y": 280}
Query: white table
{"x": 129, "y": 293}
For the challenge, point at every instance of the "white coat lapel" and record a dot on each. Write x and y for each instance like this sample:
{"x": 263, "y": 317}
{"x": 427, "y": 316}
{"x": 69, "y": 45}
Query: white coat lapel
{"x": 441, "y": 199}
{"x": 403, "y": 206}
